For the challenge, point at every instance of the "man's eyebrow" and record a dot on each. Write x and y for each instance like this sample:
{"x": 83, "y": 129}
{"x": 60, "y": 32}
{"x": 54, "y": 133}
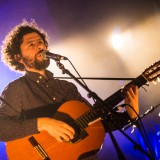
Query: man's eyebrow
{"x": 33, "y": 40}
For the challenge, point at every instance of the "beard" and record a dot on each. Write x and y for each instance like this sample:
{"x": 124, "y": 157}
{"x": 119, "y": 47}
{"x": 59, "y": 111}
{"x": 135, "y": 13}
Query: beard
{"x": 39, "y": 65}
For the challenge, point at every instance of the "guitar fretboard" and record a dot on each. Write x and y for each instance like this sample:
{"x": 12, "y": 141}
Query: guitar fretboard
{"x": 118, "y": 96}
{"x": 86, "y": 118}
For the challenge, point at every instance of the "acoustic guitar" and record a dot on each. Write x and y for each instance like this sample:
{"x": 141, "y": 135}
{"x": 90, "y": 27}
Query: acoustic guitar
{"x": 90, "y": 132}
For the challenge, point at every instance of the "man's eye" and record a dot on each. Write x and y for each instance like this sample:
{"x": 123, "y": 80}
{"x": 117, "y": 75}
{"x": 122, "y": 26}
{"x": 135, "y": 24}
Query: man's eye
{"x": 31, "y": 44}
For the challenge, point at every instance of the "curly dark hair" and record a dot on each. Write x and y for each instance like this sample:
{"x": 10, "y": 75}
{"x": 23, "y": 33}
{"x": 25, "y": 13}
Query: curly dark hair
{"x": 13, "y": 40}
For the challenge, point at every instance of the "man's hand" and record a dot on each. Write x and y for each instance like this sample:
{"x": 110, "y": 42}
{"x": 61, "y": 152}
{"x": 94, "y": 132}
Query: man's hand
{"x": 132, "y": 100}
{"x": 58, "y": 129}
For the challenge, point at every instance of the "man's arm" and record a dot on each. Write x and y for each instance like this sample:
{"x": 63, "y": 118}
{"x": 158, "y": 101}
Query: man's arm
{"x": 12, "y": 126}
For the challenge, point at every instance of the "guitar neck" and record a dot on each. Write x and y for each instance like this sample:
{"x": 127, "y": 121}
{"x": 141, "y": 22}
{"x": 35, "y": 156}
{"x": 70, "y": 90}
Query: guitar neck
{"x": 118, "y": 96}
{"x": 111, "y": 102}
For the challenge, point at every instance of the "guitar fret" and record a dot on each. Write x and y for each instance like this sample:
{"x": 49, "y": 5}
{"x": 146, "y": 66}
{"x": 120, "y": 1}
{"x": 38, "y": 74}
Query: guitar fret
{"x": 86, "y": 118}
{"x": 78, "y": 122}
{"x": 87, "y": 115}
{"x": 92, "y": 114}
{"x": 81, "y": 123}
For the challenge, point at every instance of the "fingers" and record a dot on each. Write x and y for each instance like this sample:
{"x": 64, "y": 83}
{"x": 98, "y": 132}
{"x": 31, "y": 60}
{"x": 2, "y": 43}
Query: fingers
{"x": 70, "y": 131}
{"x": 63, "y": 132}
{"x": 63, "y": 137}
{"x": 58, "y": 129}
{"x": 131, "y": 98}
{"x": 66, "y": 132}
{"x": 130, "y": 92}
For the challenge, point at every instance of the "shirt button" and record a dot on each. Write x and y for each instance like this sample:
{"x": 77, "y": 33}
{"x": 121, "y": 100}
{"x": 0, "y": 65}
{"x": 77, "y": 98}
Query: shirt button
{"x": 54, "y": 98}
{"x": 40, "y": 77}
{"x": 37, "y": 81}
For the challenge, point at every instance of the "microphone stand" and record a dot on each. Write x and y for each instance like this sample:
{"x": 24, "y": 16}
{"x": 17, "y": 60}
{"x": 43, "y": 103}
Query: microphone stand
{"x": 103, "y": 113}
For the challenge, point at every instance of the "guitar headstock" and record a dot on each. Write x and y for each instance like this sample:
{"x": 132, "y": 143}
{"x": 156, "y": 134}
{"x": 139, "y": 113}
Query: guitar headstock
{"x": 153, "y": 73}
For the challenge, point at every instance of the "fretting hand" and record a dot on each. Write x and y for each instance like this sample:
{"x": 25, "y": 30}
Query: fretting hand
{"x": 131, "y": 98}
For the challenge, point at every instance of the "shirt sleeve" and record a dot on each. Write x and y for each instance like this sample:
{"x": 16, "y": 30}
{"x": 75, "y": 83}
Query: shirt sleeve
{"x": 12, "y": 126}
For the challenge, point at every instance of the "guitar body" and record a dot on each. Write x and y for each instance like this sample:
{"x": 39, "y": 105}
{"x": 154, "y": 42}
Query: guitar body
{"x": 22, "y": 149}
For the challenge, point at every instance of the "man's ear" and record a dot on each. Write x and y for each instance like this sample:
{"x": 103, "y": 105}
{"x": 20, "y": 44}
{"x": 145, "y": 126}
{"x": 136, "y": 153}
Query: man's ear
{"x": 18, "y": 57}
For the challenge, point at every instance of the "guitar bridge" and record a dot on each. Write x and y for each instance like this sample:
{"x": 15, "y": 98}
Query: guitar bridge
{"x": 38, "y": 148}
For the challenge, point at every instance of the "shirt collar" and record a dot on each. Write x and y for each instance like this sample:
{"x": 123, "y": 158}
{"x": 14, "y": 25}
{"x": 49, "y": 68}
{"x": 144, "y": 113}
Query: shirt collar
{"x": 38, "y": 78}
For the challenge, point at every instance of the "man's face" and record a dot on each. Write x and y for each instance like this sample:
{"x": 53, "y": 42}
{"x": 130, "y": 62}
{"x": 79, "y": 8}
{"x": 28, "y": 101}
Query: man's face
{"x": 31, "y": 49}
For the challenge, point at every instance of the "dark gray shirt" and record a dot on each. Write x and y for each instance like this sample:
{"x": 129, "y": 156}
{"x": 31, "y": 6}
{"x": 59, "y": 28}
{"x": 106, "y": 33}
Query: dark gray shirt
{"x": 29, "y": 97}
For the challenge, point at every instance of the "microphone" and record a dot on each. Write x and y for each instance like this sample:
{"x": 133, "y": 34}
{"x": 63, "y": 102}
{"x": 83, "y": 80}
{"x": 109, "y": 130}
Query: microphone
{"x": 46, "y": 54}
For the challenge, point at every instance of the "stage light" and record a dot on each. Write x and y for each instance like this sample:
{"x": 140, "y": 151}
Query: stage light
{"x": 117, "y": 41}
{"x": 121, "y": 41}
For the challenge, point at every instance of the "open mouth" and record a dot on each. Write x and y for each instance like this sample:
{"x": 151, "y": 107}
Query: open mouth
{"x": 39, "y": 55}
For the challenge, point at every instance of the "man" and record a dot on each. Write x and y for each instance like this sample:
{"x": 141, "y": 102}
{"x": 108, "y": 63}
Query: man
{"x": 22, "y": 105}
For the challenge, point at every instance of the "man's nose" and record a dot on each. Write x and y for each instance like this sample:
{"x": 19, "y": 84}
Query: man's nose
{"x": 41, "y": 46}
